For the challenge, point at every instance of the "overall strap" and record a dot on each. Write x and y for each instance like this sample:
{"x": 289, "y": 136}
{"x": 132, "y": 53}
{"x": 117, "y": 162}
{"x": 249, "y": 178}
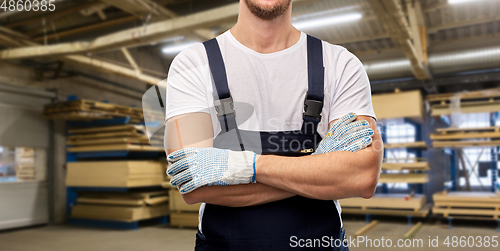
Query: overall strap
{"x": 222, "y": 97}
{"x": 313, "y": 103}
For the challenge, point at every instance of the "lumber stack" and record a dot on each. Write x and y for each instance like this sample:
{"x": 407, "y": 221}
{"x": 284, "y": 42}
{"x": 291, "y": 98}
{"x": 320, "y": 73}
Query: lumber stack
{"x": 182, "y": 214}
{"x": 125, "y": 173}
{"x": 387, "y": 204}
{"x": 466, "y": 102}
{"x": 404, "y": 171}
{"x": 91, "y": 110}
{"x": 463, "y": 137}
{"x": 125, "y": 207}
{"x": 483, "y": 205}
{"x": 25, "y": 163}
{"x": 109, "y": 138}
{"x": 407, "y": 104}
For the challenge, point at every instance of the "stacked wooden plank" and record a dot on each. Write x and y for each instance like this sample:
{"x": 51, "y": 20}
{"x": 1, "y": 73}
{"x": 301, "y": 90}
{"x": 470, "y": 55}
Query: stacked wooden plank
{"x": 125, "y": 173}
{"x": 404, "y": 171}
{"x": 463, "y": 137}
{"x": 483, "y": 205}
{"x": 467, "y": 102}
{"x": 182, "y": 214}
{"x": 25, "y": 163}
{"x": 109, "y": 138}
{"x": 91, "y": 110}
{"x": 408, "y": 104}
{"x": 387, "y": 204}
{"x": 125, "y": 207}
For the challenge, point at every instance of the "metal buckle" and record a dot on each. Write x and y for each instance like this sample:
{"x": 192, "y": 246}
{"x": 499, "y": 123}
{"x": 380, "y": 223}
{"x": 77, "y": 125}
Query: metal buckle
{"x": 224, "y": 106}
{"x": 312, "y": 108}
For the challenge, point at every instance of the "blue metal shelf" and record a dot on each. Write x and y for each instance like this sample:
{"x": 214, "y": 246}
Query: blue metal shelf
{"x": 125, "y": 154}
{"x": 134, "y": 225}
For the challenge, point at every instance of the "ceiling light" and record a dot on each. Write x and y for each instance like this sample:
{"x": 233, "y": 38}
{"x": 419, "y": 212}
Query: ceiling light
{"x": 173, "y": 39}
{"x": 176, "y": 48}
{"x": 460, "y": 1}
{"x": 325, "y": 21}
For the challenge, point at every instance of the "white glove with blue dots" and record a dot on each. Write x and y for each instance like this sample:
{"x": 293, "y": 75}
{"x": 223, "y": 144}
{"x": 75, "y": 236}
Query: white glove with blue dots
{"x": 346, "y": 135}
{"x": 210, "y": 166}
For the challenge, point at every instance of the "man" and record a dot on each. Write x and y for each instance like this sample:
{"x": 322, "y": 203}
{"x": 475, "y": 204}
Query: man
{"x": 264, "y": 195}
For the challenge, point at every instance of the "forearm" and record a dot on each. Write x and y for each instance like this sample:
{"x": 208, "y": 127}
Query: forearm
{"x": 237, "y": 195}
{"x": 333, "y": 175}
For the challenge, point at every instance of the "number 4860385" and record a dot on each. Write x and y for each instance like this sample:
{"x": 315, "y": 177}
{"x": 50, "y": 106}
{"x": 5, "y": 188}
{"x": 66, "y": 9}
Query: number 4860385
{"x": 28, "y": 5}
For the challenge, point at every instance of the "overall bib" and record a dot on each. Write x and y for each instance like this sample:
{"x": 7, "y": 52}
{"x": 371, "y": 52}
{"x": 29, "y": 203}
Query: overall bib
{"x": 270, "y": 226}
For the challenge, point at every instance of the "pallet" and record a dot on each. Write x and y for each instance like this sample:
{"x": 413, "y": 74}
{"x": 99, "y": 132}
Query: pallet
{"x": 461, "y": 212}
{"x": 467, "y": 204}
{"x": 415, "y": 178}
{"x": 183, "y": 219}
{"x": 423, "y": 212}
{"x": 386, "y": 201}
{"x": 418, "y": 144}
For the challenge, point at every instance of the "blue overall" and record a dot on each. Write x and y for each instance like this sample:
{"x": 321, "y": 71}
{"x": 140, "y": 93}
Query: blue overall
{"x": 270, "y": 226}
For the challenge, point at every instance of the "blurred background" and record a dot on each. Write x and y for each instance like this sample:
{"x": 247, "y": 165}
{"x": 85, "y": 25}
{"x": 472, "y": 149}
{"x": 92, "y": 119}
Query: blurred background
{"x": 75, "y": 156}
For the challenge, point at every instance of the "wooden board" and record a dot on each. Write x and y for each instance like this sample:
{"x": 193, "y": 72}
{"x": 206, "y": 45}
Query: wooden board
{"x": 467, "y": 107}
{"x": 417, "y": 144}
{"x": 177, "y": 203}
{"x": 450, "y": 212}
{"x": 483, "y": 94}
{"x": 125, "y": 199}
{"x": 88, "y": 110}
{"x": 101, "y": 129}
{"x": 118, "y": 213}
{"x": 481, "y": 197}
{"x": 484, "y": 143}
{"x": 184, "y": 219}
{"x": 408, "y": 104}
{"x": 117, "y": 134}
{"x": 414, "y": 178}
{"x": 423, "y": 212}
{"x": 420, "y": 166}
{"x": 109, "y": 141}
{"x": 466, "y": 133}
{"x": 386, "y": 201}
{"x": 114, "y": 147}
{"x": 115, "y": 173}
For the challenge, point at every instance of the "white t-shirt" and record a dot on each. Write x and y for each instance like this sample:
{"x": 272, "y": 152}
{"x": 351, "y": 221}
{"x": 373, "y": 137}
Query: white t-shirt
{"x": 275, "y": 84}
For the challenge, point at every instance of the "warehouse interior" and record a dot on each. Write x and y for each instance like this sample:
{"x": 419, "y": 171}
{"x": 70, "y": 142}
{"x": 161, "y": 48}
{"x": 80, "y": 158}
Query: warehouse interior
{"x": 82, "y": 164}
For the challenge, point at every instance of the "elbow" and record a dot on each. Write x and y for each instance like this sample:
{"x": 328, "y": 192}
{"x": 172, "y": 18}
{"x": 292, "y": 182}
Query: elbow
{"x": 370, "y": 181}
{"x": 191, "y": 198}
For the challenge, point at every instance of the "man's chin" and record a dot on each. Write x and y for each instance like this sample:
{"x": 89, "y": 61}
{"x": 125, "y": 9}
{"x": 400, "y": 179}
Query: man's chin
{"x": 268, "y": 12}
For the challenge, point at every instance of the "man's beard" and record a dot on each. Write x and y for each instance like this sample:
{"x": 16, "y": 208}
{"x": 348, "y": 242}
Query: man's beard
{"x": 268, "y": 13}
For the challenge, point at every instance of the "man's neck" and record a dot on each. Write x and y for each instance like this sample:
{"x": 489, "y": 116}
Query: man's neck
{"x": 265, "y": 36}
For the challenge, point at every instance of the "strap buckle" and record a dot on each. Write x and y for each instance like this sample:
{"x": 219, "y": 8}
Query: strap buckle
{"x": 313, "y": 108}
{"x": 224, "y": 106}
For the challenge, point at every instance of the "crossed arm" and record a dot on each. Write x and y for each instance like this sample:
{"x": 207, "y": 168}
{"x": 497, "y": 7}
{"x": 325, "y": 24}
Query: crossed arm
{"x": 328, "y": 176}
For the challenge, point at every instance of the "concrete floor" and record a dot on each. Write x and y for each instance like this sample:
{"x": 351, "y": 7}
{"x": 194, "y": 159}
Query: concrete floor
{"x": 71, "y": 238}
